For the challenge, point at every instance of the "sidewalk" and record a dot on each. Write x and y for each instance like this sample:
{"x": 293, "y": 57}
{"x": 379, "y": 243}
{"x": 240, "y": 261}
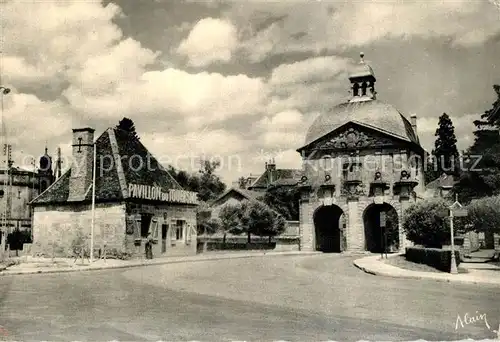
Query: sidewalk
{"x": 32, "y": 265}
{"x": 374, "y": 265}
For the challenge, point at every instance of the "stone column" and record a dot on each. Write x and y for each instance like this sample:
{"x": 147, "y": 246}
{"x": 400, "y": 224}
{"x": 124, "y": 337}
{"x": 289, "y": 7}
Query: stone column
{"x": 306, "y": 226}
{"x": 403, "y": 241}
{"x": 355, "y": 229}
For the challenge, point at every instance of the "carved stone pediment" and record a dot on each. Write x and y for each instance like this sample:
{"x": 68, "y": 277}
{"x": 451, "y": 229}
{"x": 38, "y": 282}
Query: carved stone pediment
{"x": 353, "y": 138}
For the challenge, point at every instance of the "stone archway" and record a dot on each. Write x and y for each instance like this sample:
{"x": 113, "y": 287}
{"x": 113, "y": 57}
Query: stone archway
{"x": 329, "y": 222}
{"x": 374, "y": 234}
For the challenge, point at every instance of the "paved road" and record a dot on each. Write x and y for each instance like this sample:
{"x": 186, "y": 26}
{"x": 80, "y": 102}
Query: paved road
{"x": 307, "y": 298}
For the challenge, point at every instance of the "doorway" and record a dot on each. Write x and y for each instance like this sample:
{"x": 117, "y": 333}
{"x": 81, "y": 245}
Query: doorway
{"x": 328, "y": 229}
{"x": 164, "y": 231}
{"x": 381, "y": 228}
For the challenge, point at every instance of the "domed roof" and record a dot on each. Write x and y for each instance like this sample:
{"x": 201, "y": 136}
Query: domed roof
{"x": 361, "y": 70}
{"x": 372, "y": 113}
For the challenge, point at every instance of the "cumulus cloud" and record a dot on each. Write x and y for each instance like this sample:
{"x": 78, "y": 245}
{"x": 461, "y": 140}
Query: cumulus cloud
{"x": 100, "y": 74}
{"x": 210, "y": 40}
{"x": 323, "y": 26}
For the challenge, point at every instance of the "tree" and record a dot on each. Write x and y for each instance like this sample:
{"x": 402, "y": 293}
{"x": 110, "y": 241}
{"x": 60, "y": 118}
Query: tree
{"x": 206, "y": 183}
{"x": 484, "y": 214}
{"x": 427, "y": 223}
{"x": 128, "y": 125}
{"x": 277, "y": 228}
{"x": 445, "y": 147}
{"x": 211, "y": 185}
{"x": 482, "y": 175}
{"x": 211, "y": 226}
{"x": 229, "y": 219}
{"x": 285, "y": 200}
{"x": 259, "y": 220}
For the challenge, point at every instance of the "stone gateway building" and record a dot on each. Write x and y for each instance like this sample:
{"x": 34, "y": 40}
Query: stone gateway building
{"x": 136, "y": 201}
{"x": 362, "y": 165}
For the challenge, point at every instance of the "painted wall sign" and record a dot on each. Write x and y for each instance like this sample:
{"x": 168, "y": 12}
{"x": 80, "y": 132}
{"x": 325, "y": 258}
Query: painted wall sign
{"x": 155, "y": 193}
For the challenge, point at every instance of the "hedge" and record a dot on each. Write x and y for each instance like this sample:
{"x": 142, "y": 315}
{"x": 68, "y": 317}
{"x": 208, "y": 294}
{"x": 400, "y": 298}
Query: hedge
{"x": 219, "y": 246}
{"x": 434, "y": 257}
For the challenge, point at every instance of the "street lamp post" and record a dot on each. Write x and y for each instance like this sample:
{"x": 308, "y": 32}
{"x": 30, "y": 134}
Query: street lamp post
{"x": 453, "y": 267}
{"x": 3, "y": 91}
{"x": 94, "y": 167}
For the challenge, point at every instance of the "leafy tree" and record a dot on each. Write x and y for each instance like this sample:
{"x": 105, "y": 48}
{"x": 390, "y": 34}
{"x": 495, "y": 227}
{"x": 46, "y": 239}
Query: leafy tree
{"x": 482, "y": 177}
{"x": 484, "y": 214}
{"x": 229, "y": 220}
{"x": 206, "y": 183}
{"x": 260, "y": 220}
{"x": 427, "y": 223}
{"x": 445, "y": 147}
{"x": 128, "y": 125}
{"x": 205, "y": 224}
{"x": 392, "y": 228}
{"x": 285, "y": 200}
{"x": 211, "y": 185}
{"x": 244, "y": 219}
{"x": 277, "y": 228}
{"x": 211, "y": 226}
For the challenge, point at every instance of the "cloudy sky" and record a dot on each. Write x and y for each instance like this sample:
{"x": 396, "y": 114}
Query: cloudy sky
{"x": 237, "y": 81}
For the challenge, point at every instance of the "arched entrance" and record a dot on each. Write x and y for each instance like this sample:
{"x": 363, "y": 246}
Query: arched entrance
{"x": 329, "y": 225}
{"x": 376, "y": 236}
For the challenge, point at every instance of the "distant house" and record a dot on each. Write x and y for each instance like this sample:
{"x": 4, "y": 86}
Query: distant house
{"x": 277, "y": 177}
{"x": 233, "y": 196}
{"x": 440, "y": 187}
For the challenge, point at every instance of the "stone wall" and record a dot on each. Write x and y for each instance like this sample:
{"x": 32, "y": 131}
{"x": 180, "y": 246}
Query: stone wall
{"x": 55, "y": 227}
{"x": 292, "y": 228}
{"x": 353, "y": 211}
{"x": 389, "y": 161}
{"x": 164, "y": 214}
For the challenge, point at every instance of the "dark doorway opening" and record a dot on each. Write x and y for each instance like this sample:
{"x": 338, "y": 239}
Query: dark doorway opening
{"x": 381, "y": 236}
{"x": 145, "y": 223}
{"x": 164, "y": 230}
{"x": 328, "y": 225}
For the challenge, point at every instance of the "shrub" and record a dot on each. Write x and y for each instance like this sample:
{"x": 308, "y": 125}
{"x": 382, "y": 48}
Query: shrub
{"x": 484, "y": 214}
{"x": 434, "y": 257}
{"x": 426, "y": 223}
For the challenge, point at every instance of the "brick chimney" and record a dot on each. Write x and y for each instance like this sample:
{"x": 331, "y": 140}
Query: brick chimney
{"x": 413, "y": 120}
{"x": 81, "y": 164}
{"x": 271, "y": 171}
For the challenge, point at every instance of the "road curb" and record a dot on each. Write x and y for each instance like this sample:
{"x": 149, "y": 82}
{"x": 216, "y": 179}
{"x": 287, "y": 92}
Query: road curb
{"x": 155, "y": 263}
{"x": 364, "y": 265}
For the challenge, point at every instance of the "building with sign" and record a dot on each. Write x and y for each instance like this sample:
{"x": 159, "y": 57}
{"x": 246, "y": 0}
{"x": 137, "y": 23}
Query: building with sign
{"x": 136, "y": 201}
{"x": 362, "y": 167}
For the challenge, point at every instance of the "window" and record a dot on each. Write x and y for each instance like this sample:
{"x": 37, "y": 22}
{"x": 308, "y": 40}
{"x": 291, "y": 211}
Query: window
{"x": 19, "y": 194}
{"x": 154, "y": 229}
{"x": 1, "y": 193}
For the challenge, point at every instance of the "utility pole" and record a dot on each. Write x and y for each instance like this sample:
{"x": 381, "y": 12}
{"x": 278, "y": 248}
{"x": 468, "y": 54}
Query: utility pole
{"x": 93, "y": 205}
{"x": 3, "y": 91}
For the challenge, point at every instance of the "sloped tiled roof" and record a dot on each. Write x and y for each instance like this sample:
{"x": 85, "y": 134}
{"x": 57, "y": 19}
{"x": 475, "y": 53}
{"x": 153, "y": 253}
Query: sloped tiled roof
{"x": 244, "y": 193}
{"x": 108, "y": 185}
{"x": 279, "y": 175}
{"x": 444, "y": 181}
